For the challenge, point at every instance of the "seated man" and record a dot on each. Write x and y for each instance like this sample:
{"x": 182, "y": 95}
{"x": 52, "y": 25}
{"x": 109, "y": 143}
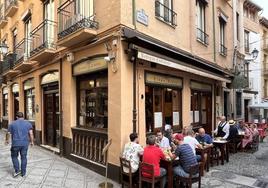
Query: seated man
{"x": 202, "y": 137}
{"x": 233, "y": 131}
{"x": 186, "y": 156}
{"x": 162, "y": 141}
{"x": 189, "y": 139}
{"x": 152, "y": 155}
{"x": 132, "y": 152}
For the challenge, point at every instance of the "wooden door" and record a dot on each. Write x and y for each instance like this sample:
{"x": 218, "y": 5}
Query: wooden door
{"x": 16, "y": 104}
{"x": 51, "y": 113}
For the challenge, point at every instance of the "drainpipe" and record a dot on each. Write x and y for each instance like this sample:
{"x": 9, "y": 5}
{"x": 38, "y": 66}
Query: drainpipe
{"x": 213, "y": 22}
{"x": 134, "y": 96}
{"x": 60, "y": 106}
{"x": 134, "y": 13}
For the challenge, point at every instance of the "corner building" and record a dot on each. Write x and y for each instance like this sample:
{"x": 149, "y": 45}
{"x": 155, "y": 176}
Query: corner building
{"x": 87, "y": 71}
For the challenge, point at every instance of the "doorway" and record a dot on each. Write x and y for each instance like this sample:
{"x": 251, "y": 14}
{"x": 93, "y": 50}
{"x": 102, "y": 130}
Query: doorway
{"x": 51, "y": 116}
{"x": 246, "y": 103}
{"x": 226, "y": 102}
{"x": 16, "y": 104}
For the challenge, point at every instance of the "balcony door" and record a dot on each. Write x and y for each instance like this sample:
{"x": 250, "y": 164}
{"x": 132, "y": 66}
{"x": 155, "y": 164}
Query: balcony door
{"x": 84, "y": 9}
{"x": 28, "y": 29}
{"x": 49, "y": 16}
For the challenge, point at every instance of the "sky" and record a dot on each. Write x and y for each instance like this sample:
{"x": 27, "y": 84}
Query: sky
{"x": 264, "y": 5}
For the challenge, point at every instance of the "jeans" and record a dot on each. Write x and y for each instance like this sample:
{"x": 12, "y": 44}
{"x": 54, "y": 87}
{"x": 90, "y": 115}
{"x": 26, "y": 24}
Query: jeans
{"x": 178, "y": 171}
{"x": 163, "y": 173}
{"x": 15, "y": 150}
{"x": 198, "y": 158}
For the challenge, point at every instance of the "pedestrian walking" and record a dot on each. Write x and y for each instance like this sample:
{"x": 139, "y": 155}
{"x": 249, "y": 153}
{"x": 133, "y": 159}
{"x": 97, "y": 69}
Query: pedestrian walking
{"x": 21, "y": 135}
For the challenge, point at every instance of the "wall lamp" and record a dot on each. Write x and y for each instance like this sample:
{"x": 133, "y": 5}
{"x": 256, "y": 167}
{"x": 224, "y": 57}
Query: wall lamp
{"x": 254, "y": 55}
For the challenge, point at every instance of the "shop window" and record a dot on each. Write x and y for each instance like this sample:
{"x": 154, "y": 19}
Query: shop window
{"x": 30, "y": 104}
{"x": 93, "y": 101}
{"x": 5, "y": 104}
{"x": 163, "y": 108}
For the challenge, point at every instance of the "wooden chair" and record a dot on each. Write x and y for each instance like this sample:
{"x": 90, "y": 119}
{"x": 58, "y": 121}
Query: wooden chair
{"x": 254, "y": 145}
{"x": 126, "y": 178}
{"x": 149, "y": 170}
{"x": 194, "y": 176}
{"x": 233, "y": 145}
{"x": 214, "y": 156}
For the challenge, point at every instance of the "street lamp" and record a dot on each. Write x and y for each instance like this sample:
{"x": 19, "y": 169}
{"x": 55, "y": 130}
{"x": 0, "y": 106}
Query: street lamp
{"x": 254, "y": 54}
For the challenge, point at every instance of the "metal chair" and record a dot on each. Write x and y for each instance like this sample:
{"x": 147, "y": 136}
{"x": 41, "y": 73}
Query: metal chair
{"x": 148, "y": 169}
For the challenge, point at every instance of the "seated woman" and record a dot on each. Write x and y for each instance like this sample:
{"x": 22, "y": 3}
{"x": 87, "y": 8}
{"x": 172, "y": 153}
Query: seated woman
{"x": 247, "y": 137}
{"x": 254, "y": 130}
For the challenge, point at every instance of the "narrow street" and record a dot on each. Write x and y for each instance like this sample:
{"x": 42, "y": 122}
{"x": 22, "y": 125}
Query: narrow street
{"x": 46, "y": 170}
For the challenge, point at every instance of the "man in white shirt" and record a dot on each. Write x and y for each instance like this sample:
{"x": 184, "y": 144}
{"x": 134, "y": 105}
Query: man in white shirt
{"x": 223, "y": 128}
{"x": 162, "y": 141}
{"x": 189, "y": 139}
{"x": 132, "y": 152}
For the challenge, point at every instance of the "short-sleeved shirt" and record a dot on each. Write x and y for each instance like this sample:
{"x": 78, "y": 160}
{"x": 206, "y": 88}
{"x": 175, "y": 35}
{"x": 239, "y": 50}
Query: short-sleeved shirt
{"x": 132, "y": 152}
{"x": 152, "y": 155}
{"x": 192, "y": 142}
{"x": 186, "y": 156}
{"x": 19, "y": 131}
{"x": 164, "y": 143}
{"x": 205, "y": 139}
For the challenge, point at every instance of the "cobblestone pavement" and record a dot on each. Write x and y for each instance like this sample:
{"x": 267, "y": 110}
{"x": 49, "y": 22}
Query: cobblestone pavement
{"x": 46, "y": 170}
{"x": 244, "y": 169}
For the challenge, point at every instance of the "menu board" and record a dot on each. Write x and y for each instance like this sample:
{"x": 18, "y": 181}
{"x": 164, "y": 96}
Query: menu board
{"x": 158, "y": 119}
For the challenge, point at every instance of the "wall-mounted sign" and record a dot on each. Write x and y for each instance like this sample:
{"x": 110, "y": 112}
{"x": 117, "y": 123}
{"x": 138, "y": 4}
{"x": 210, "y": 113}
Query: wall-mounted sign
{"x": 200, "y": 86}
{"x": 89, "y": 66}
{"x": 141, "y": 17}
{"x": 159, "y": 79}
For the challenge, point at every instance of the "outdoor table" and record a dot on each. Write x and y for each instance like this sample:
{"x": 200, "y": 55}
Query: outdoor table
{"x": 202, "y": 151}
{"x": 224, "y": 148}
{"x": 168, "y": 165}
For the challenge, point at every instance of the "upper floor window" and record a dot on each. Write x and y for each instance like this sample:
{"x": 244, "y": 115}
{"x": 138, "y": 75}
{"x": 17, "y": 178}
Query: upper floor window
{"x": 223, "y": 49}
{"x": 49, "y": 7}
{"x": 246, "y": 37}
{"x": 15, "y": 39}
{"x": 201, "y": 21}
{"x": 164, "y": 11}
{"x": 27, "y": 34}
{"x": 237, "y": 27}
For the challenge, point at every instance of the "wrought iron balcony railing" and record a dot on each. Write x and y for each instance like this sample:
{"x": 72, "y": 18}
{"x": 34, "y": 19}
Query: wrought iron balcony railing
{"x": 43, "y": 37}
{"x": 202, "y": 36}
{"x": 165, "y": 13}
{"x": 223, "y": 50}
{"x": 22, "y": 50}
{"x": 8, "y": 63}
{"x": 71, "y": 19}
{"x": 10, "y": 3}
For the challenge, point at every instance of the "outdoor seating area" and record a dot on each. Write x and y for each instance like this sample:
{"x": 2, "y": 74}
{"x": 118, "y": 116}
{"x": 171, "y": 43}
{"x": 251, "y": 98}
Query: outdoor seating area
{"x": 171, "y": 169}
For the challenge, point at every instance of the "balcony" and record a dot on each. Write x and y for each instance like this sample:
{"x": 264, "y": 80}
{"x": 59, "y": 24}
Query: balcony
{"x": 202, "y": 36}
{"x": 3, "y": 20}
{"x": 43, "y": 41}
{"x": 75, "y": 27}
{"x": 223, "y": 50}
{"x": 11, "y": 7}
{"x": 165, "y": 14}
{"x": 7, "y": 66}
{"x": 22, "y": 51}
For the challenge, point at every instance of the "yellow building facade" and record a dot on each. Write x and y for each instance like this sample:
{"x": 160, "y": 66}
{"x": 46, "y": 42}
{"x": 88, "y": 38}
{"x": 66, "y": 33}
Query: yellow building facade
{"x": 85, "y": 72}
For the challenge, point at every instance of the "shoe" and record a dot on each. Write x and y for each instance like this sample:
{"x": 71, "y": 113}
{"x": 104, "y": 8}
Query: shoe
{"x": 16, "y": 174}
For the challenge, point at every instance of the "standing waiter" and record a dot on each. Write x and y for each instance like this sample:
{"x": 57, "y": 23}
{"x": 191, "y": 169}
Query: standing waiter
{"x": 223, "y": 128}
{"x": 21, "y": 134}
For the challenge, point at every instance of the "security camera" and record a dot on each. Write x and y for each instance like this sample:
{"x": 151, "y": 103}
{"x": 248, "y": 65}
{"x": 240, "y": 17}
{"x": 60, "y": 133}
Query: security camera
{"x": 107, "y": 58}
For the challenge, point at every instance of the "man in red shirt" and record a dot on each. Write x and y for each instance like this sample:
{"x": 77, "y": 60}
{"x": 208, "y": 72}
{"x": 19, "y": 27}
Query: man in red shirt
{"x": 152, "y": 155}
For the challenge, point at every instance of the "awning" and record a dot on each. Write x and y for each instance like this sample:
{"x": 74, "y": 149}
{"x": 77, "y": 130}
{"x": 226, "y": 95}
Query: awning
{"x": 262, "y": 105}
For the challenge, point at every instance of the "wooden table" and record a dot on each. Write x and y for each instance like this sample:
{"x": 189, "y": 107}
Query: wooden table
{"x": 224, "y": 148}
{"x": 168, "y": 165}
{"x": 202, "y": 151}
